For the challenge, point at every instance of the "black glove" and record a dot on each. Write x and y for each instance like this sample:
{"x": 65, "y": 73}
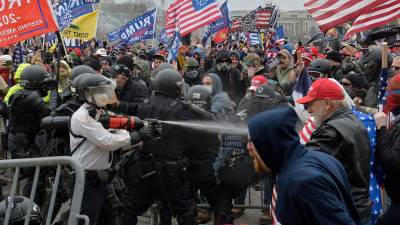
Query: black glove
{"x": 146, "y": 133}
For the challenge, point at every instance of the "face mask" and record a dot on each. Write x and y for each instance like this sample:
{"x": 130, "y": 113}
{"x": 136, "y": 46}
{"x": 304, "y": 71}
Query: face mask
{"x": 208, "y": 88}
{"x": 192, "y": 74}
{"x": 223, "y": 66}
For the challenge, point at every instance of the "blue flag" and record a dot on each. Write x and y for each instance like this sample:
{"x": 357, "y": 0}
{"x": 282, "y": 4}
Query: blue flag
{"x": 163, "y": 38}
{"x": 280, "y": 33}
{"x": 224, "y": 22}
{"x": 114, "y": 35}
{"x": 17, "y": 56}
{"x": 65, "y": 12}
{"x": 173, "y": 47}
{"x": 141, "y": 28}
{"x": 383, "y": 83}
{"x": 68, "y": 10}
{"x": 375, "y": 175}
{"x": 218, "y": 25}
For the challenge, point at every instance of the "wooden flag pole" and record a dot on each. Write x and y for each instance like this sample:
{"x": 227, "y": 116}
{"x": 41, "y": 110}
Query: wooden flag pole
{"x": 384, "y": 55}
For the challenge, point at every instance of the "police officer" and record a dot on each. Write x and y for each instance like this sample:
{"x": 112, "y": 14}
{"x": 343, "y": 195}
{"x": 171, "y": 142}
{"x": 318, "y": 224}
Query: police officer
{"x": 92, "y": 145}
{"x": 26, "y": 109}
{"x": 202, "y": 154}
{"x": 163, "y": 166}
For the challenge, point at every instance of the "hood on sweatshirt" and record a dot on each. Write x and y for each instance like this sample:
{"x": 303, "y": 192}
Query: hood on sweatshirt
{"x": 274, "y": 136}
{"x": 221, "y": 54}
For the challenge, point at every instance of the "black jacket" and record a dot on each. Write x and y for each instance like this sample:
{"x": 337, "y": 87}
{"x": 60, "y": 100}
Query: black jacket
{"x": 26, "y": 110}
{"x": 173, "y": 142}
{"x": 131, "y": 96}
{"x": 343, "y": 136}
{"x": 231, "y": 82}
{"x": 388, "y": 155}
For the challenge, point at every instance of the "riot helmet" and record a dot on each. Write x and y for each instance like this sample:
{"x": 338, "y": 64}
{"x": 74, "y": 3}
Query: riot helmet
{"x": 35, "y": 77}
{"x": 371, "y": 62}
{"x": 168, "y": 82}
{"x": 319, "y": 68}
{"x": 75, "y": 86}
{"x": 19, "y": 209}
{"x": 78, "y": 70}
{"x": 200, "y": 96}
{"x": 96, "y": 90}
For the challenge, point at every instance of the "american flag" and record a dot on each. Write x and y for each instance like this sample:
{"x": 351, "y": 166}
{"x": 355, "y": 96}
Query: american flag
{"x": 331, "y": 13}
{"x": 383, "y": 83}
{"x": 236, "y": 24}
{"x": 377, "y": 16}
{"x": 263, "y": 18}
{"x": 190, "y": 15}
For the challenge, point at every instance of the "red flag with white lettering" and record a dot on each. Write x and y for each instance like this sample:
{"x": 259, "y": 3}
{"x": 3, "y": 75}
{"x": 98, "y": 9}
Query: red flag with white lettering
{"x": 24, "y": 19}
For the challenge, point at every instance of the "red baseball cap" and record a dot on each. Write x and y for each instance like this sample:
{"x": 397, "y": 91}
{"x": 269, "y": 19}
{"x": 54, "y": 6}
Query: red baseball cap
{"x": 322, "y": 88}
{"x": 257, "y": 81}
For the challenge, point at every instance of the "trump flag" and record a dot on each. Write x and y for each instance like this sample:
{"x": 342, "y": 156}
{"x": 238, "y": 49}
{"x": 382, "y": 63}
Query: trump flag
{"x": 25, "y": 20}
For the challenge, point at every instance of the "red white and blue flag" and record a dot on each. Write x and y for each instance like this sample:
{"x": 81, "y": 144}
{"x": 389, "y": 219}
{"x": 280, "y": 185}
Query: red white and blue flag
{"x": 190, "y": 15}
{"x": 331, "y": 13}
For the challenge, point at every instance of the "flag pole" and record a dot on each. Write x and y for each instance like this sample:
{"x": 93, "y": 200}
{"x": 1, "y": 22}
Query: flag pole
{"x": 154, "y": 28}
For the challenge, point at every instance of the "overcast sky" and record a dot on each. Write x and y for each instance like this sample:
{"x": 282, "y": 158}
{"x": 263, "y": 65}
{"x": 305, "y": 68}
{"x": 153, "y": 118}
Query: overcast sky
{"x": 252, "y": 4}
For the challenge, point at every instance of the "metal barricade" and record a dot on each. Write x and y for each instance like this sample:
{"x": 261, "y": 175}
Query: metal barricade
{"x": 253, "y": 199}
{"x": 37, "y": 163}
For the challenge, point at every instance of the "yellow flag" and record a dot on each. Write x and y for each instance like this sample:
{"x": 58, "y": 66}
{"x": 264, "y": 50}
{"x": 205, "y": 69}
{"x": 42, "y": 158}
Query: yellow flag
{"x": 83, "y": 27}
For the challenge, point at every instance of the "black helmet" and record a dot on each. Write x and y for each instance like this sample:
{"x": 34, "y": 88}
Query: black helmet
{"x": 200, "y": 96}
{"x": 19, "y": 208}
{"x": 320, "y": 66}
{"x": 168, "y": 82}
{"x": 371, "y": 62}
{"x": 96, "y": 89}
{"x": 78, "y": 70}
{"x": 35, "y": 77}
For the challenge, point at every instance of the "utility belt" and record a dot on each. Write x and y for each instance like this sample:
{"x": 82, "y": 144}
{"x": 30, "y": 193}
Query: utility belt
{"x": 152, "y": 166}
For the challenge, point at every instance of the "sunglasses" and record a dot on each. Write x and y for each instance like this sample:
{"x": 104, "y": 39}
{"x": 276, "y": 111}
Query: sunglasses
{"x": 223, "y": 61}
{"x": 396, "y": 67}
{"x": 345, "y": 84}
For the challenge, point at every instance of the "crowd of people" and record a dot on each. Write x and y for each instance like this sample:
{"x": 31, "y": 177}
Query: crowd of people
{"x": 321, "y": 153}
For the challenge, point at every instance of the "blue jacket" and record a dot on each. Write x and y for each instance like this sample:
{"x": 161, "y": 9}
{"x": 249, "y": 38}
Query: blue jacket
{"x": 312, "y": 186}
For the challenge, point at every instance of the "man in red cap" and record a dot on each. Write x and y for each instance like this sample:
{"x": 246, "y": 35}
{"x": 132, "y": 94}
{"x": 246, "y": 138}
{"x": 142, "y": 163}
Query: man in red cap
{"x": 340, "y": 134}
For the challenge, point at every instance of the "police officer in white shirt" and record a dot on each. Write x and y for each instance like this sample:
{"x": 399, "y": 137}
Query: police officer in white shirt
{"x": 92, "y": 145}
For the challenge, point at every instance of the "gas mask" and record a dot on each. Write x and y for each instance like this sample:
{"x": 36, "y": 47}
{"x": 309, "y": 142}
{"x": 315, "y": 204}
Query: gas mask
{"x": 223, "y": 66}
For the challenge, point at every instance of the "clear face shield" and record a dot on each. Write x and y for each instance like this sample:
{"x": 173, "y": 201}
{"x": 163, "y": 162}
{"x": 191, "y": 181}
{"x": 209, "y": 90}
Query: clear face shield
{"x": 101, "y": 95}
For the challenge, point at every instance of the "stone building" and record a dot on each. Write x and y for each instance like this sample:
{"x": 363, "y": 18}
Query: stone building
{"x": 298, "y": 24}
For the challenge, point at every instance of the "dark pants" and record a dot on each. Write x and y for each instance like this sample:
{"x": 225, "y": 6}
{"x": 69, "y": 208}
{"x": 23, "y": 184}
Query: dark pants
{"x": 223, "y": 207}
{"x": 94, "y": 194}
{"x": 149, "y": 190}
{"x": 22, "y": 146}
{"x": 391, "y": 216}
